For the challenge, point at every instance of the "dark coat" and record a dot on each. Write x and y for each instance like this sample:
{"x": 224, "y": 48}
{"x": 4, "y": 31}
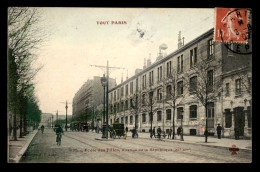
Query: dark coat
{"x": 219, "y": 128}
{"x": 159, "y": 130}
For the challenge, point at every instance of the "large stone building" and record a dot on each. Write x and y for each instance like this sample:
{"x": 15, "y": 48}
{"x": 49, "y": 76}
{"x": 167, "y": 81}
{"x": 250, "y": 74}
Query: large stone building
{"x": 200, "y": 71}
{"x": 89, "y": 96}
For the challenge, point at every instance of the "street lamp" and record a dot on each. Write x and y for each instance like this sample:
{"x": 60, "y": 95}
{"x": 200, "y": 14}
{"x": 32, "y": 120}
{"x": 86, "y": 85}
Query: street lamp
{"x": 181, "y": 126}
{"x": 104, "y": 83}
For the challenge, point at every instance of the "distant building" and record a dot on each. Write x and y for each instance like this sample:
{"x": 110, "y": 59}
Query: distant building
{"x": 89, "y": 96}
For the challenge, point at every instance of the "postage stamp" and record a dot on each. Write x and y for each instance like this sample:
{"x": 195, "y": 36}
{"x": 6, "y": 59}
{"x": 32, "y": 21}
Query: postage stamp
{"x": 231, "y": 25}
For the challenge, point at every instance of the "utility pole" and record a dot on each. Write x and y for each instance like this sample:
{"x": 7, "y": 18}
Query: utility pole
{"x": 66, "y": 107}
{"x": 107, "y": 84}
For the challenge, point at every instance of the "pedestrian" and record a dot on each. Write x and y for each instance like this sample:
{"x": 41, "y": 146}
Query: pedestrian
{"x": 170, "y": 133}
{"x": 42, "y": 128}
{"x": 179, "y": 131}
{"x": 159, "y": 131}
{"x": 219, "y": 128}
{"x": 236, "y": 133}
{"x": 153, "y": 133}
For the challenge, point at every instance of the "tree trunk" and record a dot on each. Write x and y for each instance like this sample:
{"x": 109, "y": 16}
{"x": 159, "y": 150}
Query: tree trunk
{"x": 21, "y": 126}
{"x": 173, "y": 125}
{"x": 14, "y": 128}
{"x": 24, "y": 125}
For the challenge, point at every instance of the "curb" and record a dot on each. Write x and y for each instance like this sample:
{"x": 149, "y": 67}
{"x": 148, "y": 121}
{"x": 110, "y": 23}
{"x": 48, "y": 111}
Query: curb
{"x": 202, "y": 144}
{"x": 19, "y": 155}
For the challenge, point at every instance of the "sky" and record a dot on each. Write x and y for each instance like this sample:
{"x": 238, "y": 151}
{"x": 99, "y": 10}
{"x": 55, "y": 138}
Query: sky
{"x": 76, "y": 41}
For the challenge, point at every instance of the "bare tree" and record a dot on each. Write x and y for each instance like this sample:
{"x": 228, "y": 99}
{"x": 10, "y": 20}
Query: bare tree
{"x": 172, "y": 92}
{"x": 206, "y": 85}
{"x": 24, "y": 37}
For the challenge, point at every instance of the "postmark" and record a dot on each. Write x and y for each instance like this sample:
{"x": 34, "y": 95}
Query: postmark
{"x": 232, "y": 27}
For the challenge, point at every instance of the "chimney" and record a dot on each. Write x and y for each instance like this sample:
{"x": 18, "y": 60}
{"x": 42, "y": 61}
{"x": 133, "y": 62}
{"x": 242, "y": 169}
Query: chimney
{"x": 180, "y": 44}
{"x": 144, "y": 63}
{"x": 149, "y": 61}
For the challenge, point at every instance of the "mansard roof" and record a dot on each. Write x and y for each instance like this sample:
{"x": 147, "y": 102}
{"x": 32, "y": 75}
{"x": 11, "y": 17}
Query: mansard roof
{"x": 192, "y": 42}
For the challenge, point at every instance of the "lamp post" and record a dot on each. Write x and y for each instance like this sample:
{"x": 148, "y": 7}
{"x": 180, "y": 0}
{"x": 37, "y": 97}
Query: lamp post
{"x": 66, "y": 116}
{"x": 181, "y": 126}
{"x": 104, "y": 82}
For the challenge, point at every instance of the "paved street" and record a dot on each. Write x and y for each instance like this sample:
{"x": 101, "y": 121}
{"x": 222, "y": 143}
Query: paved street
{"x": 82, "y": 147}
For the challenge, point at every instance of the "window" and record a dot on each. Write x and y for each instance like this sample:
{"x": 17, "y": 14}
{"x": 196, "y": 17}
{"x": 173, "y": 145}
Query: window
{"x": 126, "y": 120}
{"x": 136, "y": 84}
{"x": 159, "y": 72}
{"x": 114, "y": 95}
{"x": 238, "y": 86}
{"x": 151, "y": 97}
{"x": 169, "y": 68}
{"x": 111, "y": 108}
{"x": 131, "y": 119}
{"x": 228, "y": 118}
{"x": 118, "y": 107}
{"x": 114, "y": 108}
{"x": 159, "y": 115}
{"x": 151, "y": 78}
{"x": 210, "y": 81}
{"x": 126, "y": 104}
{"x": 111, "y": 97}
{"x": 126, "y": 90}
{"x": 193, "y": 111}
{"x": 143, "y": 118}
{"x": 168, "y": 114}
{"x": 122, "y": 120}
{"x": 191, "y": 57}
{"x": 143, "y": 99}
{"x": 179, "y": 112}
{"x": 122, "y": 91}
{"x": 210, "y": 110}
{"x": 131, "y": 103}
{"x": 180, "y": 87}
{"x": 150, "y": 116}
{"x": 118, "y": 94}
{"x": 181, "y": 63}
{"x": 193, "y": 84}
{"x": 159, "y": 94}
{"x": 178, "y": 64}
{"x": 168, "y": 91}
{"x": 131, "y": 88}
{"x": 195, "y": 56}
{"x": 144, "y": 81}
{"x": 210, "y": 48}
{"x": 122, "y": 106}
{"x": 227, "y": 89}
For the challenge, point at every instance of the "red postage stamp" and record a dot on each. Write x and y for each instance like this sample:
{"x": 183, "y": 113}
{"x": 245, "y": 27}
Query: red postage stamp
{"x": 231, "y": 25}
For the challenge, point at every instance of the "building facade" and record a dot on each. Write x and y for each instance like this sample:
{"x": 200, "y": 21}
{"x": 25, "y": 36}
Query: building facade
{"x": 89, "y": 96}
{"x": 187, "y": 87}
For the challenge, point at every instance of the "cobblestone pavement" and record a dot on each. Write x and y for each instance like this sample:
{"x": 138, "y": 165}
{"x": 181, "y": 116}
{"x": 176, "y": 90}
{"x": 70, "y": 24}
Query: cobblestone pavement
{"x": 82, "y": 147}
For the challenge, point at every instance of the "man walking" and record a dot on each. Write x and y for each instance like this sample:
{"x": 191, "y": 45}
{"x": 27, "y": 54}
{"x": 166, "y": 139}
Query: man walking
{"x": 170, "y": 133}
{"x": 159, "y": 131}
{"x": 153, "y": 133}
{"x": 219, "y": 128}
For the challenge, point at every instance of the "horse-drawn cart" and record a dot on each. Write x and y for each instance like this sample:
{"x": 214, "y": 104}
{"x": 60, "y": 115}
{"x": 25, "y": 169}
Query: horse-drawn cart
{"x": 117, "y": 130}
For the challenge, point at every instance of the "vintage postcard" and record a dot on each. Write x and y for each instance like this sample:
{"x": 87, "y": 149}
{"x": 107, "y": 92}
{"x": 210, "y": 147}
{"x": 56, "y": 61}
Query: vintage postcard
{"x": 129, "y": 85}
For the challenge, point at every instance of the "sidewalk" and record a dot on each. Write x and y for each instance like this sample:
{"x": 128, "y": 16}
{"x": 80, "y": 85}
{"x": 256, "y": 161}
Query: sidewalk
{"x": 19, "y": 147}
{"x": 226, "y": 143}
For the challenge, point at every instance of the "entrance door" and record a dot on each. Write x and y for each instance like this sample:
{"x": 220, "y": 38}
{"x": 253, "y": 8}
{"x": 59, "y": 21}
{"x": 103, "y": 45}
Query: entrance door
{"x": 239, "y": 119}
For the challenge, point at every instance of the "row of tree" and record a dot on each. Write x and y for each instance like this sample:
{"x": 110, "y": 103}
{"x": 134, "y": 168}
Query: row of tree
{"x": 23, "y": 40}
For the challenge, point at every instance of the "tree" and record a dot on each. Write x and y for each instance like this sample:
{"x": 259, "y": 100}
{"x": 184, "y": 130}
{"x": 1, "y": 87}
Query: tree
{"x": 24, "y": 37}
{"x": 172, "y": 92}
{"x": 206, "y": 85}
